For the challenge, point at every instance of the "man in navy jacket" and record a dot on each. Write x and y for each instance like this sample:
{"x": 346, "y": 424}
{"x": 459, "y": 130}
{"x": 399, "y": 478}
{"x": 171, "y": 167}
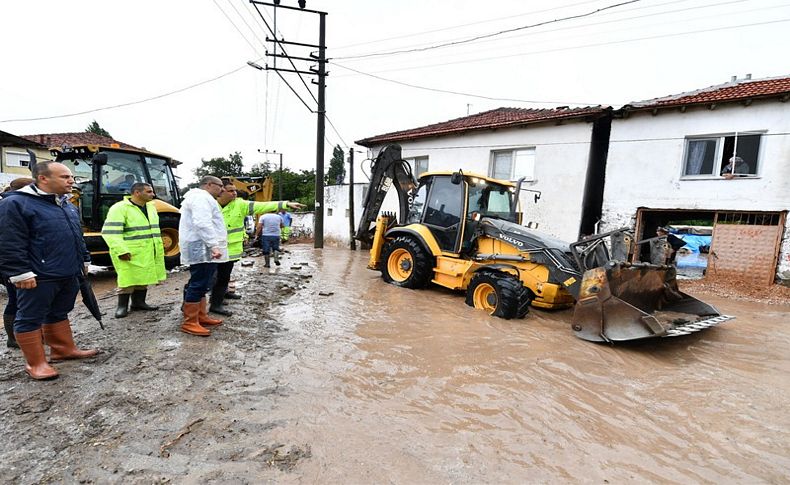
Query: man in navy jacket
{"x": 42, "y": 252}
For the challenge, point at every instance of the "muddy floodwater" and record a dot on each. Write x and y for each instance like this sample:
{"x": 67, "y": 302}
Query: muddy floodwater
{"x": 325, "y": 374}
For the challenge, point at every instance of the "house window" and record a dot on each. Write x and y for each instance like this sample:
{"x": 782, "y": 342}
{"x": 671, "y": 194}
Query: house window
{"x": 710, "y": 155}
{"x": 513, "y": 164}
{"x": 419, "y": 165}
{"x": 16, "y": 159}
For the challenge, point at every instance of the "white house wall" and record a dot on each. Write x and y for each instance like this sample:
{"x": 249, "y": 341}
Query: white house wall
{"x": 647, "y": 172}
{"x": 561, "y": 155}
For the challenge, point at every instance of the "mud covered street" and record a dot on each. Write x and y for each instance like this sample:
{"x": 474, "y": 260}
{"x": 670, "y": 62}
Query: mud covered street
{"x": 326, "y": 374}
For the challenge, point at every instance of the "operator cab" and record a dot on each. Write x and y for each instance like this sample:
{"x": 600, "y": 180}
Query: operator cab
{"x": 451, "y": 205}
{"x": 104, "y": 175}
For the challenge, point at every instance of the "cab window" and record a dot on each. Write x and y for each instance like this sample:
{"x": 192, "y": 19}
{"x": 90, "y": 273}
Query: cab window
{"x": 121, "y": 171}
{"x": 161, "y": 179}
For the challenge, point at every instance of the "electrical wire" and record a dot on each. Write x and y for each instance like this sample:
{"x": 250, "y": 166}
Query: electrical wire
{"x": 618, "y": 20}
{"x": 453, "y": 27}
{"x": 492, "y": 34}
{"x": 459, "y": 93}
{"x": 600, "y": 44}
{"x": 122, "y": 105}
{"x": 255, "y": 49}
{"x": 247, "y": 24}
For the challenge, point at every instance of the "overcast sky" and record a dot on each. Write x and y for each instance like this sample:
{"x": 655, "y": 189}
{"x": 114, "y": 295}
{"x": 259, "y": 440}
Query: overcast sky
{"x": 69, "y": 57}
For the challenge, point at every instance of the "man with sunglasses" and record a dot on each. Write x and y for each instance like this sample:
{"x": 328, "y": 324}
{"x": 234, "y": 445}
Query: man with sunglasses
{"x": 204, "y": 243}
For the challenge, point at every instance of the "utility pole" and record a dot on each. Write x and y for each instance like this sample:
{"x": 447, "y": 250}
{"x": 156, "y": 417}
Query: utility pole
{"x": 320, "y": 134}
{"x": 320, "y": 111}
{"x": 351, "y": 230}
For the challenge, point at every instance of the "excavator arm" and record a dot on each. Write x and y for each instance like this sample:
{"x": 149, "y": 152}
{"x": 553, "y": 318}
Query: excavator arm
{"x": 388, "y": 170}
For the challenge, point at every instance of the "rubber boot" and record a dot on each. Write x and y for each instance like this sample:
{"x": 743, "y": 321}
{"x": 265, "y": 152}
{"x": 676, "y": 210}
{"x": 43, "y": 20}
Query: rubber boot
{"x": 277, "y": 258}
{"x": 191, "y": 324}
{"x": 36, "y": 364}
{"x": 138, "y": 301}
{"x": 216, "y": 305}
{"x": 266, "y": 258}
{"x": 232, "y": 296}
{"x": 123, "y": 305}
{"x": 203, "y": 317}
{"x": 61, "y": 342}
{"x": 8, "y": 323}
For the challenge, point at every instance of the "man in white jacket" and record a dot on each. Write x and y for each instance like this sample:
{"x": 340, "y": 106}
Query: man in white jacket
{"x": 204, "y": 242}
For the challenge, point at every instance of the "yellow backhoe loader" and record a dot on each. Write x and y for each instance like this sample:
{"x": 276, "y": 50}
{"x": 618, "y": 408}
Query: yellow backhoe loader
{"x": 463, "y": 231}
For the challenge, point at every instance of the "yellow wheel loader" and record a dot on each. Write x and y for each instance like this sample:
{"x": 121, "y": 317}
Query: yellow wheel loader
{"x": 463, "y": 231}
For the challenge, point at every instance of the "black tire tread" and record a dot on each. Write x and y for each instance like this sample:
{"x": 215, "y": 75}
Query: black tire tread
{"x": 421, "y": 259}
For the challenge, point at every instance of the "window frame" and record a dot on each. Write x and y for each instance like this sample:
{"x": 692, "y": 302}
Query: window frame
{"x": 532, "y": 177}
{"x": 413, "y": 164}
{"x": 719, "y": 163}
{"x": 17, "y": 154}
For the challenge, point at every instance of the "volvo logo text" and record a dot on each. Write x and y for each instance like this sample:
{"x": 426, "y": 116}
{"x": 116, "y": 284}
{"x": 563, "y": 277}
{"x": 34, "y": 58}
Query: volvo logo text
{"x": 511, "y": 240}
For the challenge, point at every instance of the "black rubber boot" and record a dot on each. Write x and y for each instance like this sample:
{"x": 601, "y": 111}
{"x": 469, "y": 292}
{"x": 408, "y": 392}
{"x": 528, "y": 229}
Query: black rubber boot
{"x": 8, "y": 323}
{"x": 266, "y": 258}
{"x": 123, "y": 305}
{"x": 216, "y": 305}
{"x": 138, "y": 301}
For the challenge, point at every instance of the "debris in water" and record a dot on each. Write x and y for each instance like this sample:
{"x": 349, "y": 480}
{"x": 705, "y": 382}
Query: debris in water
{"x": 326, "y": 293}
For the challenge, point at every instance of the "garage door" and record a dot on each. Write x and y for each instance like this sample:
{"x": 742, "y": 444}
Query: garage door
{"x": 745, "y": 247}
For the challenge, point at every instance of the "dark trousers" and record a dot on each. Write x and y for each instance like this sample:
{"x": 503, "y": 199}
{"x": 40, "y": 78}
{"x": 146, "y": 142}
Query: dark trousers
{"x": 223, "y": 278}
{"x": 49, "y": 302}
{"x": 201, "y": 279}
{"x": 11, "y": 306}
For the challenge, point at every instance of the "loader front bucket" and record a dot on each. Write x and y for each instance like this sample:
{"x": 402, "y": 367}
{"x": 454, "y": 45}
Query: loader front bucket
{"x": 631, "y": 301}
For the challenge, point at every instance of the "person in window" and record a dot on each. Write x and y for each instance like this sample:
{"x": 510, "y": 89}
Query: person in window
{"x": 734, "y": 168}
{"x": 127, "y": 183}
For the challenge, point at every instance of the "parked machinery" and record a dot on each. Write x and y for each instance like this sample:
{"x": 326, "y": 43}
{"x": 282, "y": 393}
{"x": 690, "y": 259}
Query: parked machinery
{"x": 104, "y": 175}
{"x": 463, "y": 231}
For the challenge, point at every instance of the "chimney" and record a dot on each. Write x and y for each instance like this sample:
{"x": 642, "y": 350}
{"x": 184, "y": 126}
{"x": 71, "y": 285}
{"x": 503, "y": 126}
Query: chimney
{"x": 733, "y": 79}
{"x": 749, "y": 76}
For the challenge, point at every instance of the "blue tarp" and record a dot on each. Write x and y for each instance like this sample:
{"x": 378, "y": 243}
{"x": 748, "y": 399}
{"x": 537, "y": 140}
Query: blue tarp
{"x": 693, "y": 241}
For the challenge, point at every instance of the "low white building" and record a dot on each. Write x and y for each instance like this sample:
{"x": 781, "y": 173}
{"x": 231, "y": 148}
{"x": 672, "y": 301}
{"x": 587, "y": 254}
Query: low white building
{"x": 668, "y": 163}
{"x": 552, "y": 148}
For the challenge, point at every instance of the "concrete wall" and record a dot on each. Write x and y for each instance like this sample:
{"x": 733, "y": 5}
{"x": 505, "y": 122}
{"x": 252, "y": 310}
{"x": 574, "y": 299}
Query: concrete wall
{"x": 561, "y": 155}
{"x": 648, "y": 173}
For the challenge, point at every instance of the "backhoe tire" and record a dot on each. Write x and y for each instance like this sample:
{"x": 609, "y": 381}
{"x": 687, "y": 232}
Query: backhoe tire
{"x": 406, "y": 263}
{"x": 168, "y": 225}
{"x": 500, "y": 294}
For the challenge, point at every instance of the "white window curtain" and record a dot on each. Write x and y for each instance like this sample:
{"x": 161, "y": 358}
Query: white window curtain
{"x": 696, "y": 156}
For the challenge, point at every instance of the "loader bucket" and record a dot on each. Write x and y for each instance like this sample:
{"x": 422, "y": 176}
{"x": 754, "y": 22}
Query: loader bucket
{"x": 624, "y": 301}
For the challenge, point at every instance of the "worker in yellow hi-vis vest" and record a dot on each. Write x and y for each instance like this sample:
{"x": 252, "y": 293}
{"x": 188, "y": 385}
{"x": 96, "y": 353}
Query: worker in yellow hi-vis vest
{"x": 234, "y": 210}
{"x": 131, "y": 231}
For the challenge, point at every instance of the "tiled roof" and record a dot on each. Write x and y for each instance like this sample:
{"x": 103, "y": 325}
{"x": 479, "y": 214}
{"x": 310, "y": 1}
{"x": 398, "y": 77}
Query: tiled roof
{"x": 497, "y": 118}
{"x": 733, "y": 91}
{"x": 10, "y": 140}
{"x": 51, "y": 140}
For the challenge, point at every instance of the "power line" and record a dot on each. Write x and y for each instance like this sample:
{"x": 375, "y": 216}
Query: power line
{"x": 122, "y": 105}
{"x": 237, "y": 28}
{"x": 493, "y": 34}
{"x": 623, "y": 19}
{"x": 600, "y": 44}
{"x": 459, "y": 93}
{"x": 453, "y": 27}
{"x": 247, "y": 24}
{"x": 335, "y": 130}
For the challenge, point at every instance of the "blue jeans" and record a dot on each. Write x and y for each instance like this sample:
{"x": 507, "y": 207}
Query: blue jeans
{"x": 49, "y": 302}
{"x": 201, "y": 280}
{"x": 10, "y": 307}
{"x": 270, "y": 244}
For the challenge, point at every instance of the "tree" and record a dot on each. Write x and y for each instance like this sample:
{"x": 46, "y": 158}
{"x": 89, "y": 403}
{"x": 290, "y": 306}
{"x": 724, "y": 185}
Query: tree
{"x": 95, "y": 128}
{"x": 337, "y": 167}
{"x": 221, "y": 167}
{"x": 263, "y": 169}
